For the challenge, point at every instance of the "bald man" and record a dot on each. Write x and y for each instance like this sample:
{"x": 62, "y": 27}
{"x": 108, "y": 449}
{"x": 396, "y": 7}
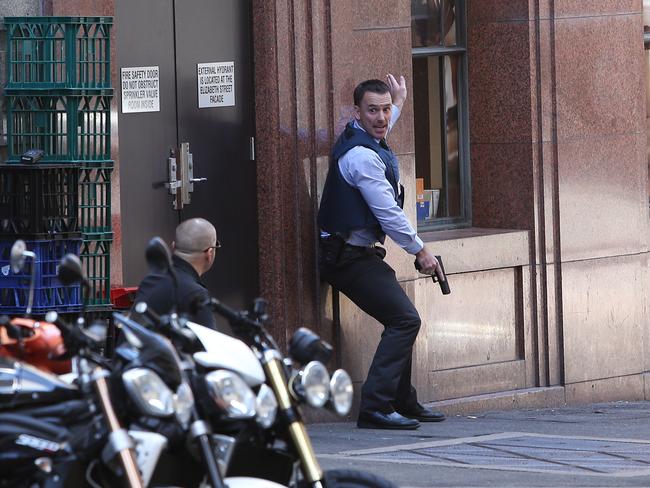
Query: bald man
{"x": 195, "y": 247}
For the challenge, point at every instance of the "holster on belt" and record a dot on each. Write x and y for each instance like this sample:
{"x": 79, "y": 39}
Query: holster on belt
{"x": 335, "y": 252}
{"x": 331, "y": 248}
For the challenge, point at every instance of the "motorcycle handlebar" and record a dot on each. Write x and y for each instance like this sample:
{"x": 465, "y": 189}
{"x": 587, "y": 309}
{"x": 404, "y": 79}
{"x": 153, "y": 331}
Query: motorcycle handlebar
{"x": 233, "y": 316}
{"x": 67, "y": 331}
{"x": 12, "y": 330}
{"x": 77, "y": 342}
{"x": 175, "y": 332}
{"x": 143, "y": 309}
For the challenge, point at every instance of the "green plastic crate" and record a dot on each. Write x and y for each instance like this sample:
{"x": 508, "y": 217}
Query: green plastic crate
{"x": 58, "y": 52}
{"x": 70, "y": 129}
{"x": 95, "y": 256}
{"x": 95, "y": 202}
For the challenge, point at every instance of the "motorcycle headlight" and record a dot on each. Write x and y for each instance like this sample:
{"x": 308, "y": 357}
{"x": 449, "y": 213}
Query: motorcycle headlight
{"x": 315, "y": 380}
{"x": 183, "y": 403}
{"x": 149, "y": 392}
{"x": 341, "y": 391}
{"x": 231, "y": 394}
{"x": 267, "y": 407}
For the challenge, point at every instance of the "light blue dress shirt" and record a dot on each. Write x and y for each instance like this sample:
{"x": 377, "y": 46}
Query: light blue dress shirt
{"x": 362, "y": 168}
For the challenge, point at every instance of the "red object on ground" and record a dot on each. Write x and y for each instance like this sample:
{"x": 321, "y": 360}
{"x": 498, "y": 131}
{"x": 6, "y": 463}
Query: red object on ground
{"x": 123, "y": 297}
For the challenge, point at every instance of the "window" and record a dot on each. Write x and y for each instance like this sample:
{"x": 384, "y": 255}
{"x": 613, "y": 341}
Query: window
{"x": 439, "y": 54}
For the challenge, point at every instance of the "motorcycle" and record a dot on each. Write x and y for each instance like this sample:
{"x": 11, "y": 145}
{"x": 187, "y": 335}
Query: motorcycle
{"x": 145, "y": 381}
{"x": 258, "y": 393}
{"x": 195, "y": 441}
{"x": 213, "y": 449}
{"x": 52, "y": 432}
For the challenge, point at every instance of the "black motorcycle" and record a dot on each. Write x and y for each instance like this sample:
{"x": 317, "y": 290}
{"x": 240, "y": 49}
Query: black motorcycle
{"x": 257, "y": 399}
{"x": 56, "y": 433}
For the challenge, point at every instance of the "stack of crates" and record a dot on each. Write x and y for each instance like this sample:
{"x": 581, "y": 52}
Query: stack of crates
{"x": 58, "y": 99}
{"x": 38, "y": 204}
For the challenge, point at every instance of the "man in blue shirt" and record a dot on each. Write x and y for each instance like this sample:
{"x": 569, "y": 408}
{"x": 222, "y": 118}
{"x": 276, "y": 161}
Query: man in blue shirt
{"x": 361, "y": 204}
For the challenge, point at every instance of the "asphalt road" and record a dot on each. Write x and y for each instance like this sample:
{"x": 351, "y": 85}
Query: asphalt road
{"x": 595, "y": 445}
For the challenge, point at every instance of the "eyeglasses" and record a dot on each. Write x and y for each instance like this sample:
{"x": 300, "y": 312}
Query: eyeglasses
{"x": 187, "y": 251}
{"x": 215, "y": 247}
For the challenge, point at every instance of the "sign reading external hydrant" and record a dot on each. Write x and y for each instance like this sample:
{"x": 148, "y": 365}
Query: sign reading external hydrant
{"x": 216, "y": 84}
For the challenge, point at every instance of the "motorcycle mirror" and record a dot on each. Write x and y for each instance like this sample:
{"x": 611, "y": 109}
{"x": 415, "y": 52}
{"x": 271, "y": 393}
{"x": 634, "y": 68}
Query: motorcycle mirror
{"x": 17, "y": 256}
{"x": 70, "y": 270}
{"x": 158, "y": 255}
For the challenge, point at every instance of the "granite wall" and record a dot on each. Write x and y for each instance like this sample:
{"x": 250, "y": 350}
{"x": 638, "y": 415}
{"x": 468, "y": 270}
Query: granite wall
{"x": 551, "y": 281}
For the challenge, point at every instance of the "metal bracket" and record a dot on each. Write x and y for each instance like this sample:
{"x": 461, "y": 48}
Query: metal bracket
{"x": 117, "y": 441}
{"x": 172, "y": 182}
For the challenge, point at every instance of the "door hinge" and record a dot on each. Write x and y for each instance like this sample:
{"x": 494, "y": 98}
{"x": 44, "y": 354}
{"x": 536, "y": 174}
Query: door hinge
{"x": 251, "y": 148}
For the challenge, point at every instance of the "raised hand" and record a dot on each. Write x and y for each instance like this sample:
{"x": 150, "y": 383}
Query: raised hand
{"x": 397, "y": 89}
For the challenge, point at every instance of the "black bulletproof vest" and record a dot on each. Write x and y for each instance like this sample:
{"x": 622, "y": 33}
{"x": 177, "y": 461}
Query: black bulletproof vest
{"x": 342, "y": 207}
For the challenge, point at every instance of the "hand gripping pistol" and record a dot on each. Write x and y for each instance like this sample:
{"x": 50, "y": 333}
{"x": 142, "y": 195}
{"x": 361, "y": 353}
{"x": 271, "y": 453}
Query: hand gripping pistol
{"x": 439, "y": 276}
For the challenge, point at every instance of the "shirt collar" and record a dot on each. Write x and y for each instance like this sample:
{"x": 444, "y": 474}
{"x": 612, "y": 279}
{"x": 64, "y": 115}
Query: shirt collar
{"x": 183, "y": 265}
{"x": 381, "y": 142}
{"x": 357, "y": 125}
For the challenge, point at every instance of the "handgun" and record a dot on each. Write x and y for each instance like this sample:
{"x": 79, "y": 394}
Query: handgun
{"x": 439, "y": 276}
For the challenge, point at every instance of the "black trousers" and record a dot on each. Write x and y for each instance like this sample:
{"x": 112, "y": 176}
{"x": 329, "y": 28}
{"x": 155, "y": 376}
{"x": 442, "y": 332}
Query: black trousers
{"x": 370, "y": 283}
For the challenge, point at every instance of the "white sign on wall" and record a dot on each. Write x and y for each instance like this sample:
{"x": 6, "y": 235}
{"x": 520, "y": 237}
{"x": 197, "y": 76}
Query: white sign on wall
{"x": 140, "y": 89}
{"x": 216, "y": 84}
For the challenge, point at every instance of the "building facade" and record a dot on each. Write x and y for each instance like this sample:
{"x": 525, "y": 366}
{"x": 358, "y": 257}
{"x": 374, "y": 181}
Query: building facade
{"x": 524, "y": 117}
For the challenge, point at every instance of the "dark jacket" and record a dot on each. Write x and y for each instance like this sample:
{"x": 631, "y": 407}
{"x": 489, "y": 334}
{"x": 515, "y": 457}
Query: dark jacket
{"x": 157, "y": 291}
{"x": 342, "y": 207}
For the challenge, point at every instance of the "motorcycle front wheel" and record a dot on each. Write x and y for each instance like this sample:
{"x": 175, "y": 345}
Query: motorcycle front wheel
{"x": 352, "y": 478}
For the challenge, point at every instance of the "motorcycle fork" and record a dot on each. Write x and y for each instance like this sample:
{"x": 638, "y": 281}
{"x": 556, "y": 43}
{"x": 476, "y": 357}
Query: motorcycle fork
{"x": 311, "y": 469}
{"x": 127, "y": 456}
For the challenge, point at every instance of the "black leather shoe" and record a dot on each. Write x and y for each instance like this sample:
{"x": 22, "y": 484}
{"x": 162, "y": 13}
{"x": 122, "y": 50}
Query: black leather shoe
{"x": 380, "y": 420}
{"x": 423, "y": 414}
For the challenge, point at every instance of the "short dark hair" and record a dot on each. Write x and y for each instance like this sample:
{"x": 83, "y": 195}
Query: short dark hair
{"x": 374, "y": 86}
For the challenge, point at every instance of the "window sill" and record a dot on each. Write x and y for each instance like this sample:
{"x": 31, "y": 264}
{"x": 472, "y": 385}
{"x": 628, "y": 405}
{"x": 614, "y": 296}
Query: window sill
{"x": 477, "y": 249}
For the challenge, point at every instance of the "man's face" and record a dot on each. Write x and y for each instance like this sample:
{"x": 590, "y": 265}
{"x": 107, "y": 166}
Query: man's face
{"x": 374, "y": 113}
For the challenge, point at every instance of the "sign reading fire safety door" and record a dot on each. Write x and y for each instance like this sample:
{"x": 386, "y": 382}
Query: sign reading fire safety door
{"x": 140, "y": 89}
{"x": 216, "y": 84}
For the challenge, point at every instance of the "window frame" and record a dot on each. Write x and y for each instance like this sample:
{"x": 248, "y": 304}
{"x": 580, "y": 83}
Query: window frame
{"x": 464, "y": 219}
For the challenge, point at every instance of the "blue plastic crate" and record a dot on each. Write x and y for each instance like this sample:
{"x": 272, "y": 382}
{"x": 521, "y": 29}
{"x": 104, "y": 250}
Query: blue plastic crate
{"x": 49, "y": 293}
{"x": 56, "y": 297}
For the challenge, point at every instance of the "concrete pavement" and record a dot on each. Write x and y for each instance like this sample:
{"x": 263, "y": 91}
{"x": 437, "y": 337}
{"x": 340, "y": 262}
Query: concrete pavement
{"x": 596, "y": 445}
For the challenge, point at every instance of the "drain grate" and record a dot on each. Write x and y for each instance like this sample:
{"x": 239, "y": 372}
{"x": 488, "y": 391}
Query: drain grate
{"x": 516, "y": 451}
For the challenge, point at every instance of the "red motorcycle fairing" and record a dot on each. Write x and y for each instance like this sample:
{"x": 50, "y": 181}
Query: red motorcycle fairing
{"x": 40, "y": 345}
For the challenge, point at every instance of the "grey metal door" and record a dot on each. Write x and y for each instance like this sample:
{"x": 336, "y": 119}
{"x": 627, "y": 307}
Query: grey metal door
{"x": 177, "y": 36}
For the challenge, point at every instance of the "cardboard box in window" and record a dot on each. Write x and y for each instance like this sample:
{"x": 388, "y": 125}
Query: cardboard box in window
{"x": 419, "y": 189}
{"x": 432, "y": 197}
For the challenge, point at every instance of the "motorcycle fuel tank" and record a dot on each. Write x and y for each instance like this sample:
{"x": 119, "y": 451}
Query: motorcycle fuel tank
{"x": 225, "y": 352}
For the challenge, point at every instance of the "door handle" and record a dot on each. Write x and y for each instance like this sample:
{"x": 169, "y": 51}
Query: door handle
{"x": 187, "y": 179}
{"x": 180, "y": 176}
